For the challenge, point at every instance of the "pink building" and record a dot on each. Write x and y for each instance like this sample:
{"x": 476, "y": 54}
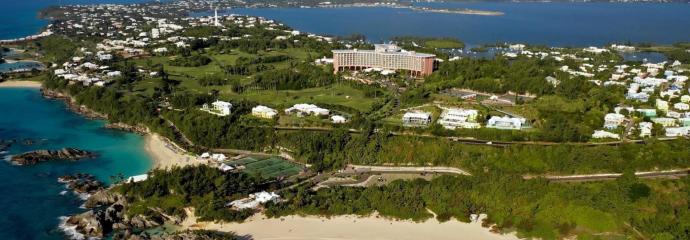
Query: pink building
{"x": 384, "y": 56}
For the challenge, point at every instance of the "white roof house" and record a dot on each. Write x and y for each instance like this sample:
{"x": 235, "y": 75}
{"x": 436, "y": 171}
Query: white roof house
{"x": 338, "y": 119}
{"x": 662, "y": 105}
{"x": 666, "y": 122}
{"x": 463, "y": 118}
{"x": 677, "y": 131}
{"x": 416, "y": 118}
{"x": 254, "y": 200}
{"x": 646, "y": 129}
{"x": 506, "y": 122}
{"x": 307, "y": 109}
{"x": 598, "y": 134}
{"x": 264, "y": 112}
{"x": 681, "y": 106}
{"x": 613, "y": 120}
{"x": 137, "y": 178}
{"x": 224, "y": 108}
{"x": 224, "y": 167}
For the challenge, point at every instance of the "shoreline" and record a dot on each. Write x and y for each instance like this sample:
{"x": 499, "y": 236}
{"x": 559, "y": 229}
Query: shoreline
{"x": 20, "y": 84}
{"x": 350, "y": 227}
{"x": 165, "y": 155}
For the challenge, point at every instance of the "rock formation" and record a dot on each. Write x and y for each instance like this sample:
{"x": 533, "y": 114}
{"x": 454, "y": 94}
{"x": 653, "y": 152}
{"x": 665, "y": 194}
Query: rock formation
{"x": 37, "y": 156}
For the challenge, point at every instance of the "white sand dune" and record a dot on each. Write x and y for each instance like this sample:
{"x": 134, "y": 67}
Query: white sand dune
{"x": 348, "y": 227}
{"x": 165, "y": 155}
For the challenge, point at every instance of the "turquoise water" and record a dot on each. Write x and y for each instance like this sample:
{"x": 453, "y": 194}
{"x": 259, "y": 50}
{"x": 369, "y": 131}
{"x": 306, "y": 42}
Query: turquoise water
{"x": 552, "y": 24}
{"x": 31, "y": 202}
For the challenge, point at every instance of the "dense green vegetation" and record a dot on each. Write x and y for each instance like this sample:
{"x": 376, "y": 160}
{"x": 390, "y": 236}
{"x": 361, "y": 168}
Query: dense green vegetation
{"x": 57, "y": 48}
{"x": 206, "y": 189}
{"x": 331, "y": 150}
{"x": 535, "y": 208}
{"x": 190, "y": 61}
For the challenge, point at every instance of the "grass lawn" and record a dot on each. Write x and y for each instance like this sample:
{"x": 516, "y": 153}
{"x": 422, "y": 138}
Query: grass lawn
{"x": 336, "y": 94}
{"x": 271, "y": 167}
{"x": 444, "y": 43}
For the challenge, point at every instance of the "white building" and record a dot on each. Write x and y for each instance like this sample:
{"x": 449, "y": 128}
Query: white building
{"x": 416, "y": 118}
{"x": 613, "y": 120}
{"x": 223, "y": 108}
{"x": 677, "y": 131}
{"x": 666, "y": 122}
{"x": 646, "y": 129}
{"x": 254, "y": 200}
{"x": 506, "y": 123}
{"x": 338, "y": 119}
{"x": 459, "y": 118}
{"x": 138, "y": 178}
{"x": 264, "y": 112}
{"x": 681, "y": 106}
{"x": 662, "y": 105}
{"x": 598, "y": 134}
{"x": 307, "y": 109}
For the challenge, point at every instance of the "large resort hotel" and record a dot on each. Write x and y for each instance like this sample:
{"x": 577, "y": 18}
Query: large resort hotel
{"x": 384, "y": 56}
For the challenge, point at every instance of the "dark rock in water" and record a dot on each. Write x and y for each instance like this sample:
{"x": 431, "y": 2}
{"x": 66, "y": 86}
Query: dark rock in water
{"x": 110, "y": 216}
{"x": 37, "y": 156}
{"x": 82, "y": 183}
{"x": 28, "y": 142}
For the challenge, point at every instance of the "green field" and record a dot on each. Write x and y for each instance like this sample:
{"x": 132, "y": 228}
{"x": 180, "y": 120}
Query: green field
{"x": 272, "y": 167}
{"x": 336, "y": 94}
{"x": 443, "y": 43}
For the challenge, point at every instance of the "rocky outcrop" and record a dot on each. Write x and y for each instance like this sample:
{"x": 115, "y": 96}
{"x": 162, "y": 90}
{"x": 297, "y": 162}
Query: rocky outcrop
{"x": 98, "y": 222}
{"x": 103, "y": 198}
{"x": 107, "y": 216}
{"x": 129, "y": 128}
{"x": 184, "y": 235}
{"x": 37, "y": 156}
{"x": 82, "y": 183}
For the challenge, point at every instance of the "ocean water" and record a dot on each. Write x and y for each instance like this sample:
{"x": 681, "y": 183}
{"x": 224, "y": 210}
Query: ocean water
{"x": 552, "y": 24}
{"x": 31, "y": 202}
{"x": 19, "y": 18}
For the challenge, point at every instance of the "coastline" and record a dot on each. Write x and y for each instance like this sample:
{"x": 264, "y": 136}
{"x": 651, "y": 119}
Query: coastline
{"x": 349, "y": 227}
{"x": 165, "y": 155}
{"x": 20, "y": 84}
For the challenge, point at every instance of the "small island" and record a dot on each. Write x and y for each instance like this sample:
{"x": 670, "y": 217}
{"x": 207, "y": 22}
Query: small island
{"x": 34, "y": 157}
{"x": 465, "y": 11}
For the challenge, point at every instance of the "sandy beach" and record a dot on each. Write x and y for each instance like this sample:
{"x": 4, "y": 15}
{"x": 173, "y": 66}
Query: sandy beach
{"x": 165, "y": 155}
{"x": 348, "y": 228}
{"x": 14, "y": 84}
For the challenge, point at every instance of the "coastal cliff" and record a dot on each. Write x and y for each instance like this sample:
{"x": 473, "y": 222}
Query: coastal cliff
{"x": 89, "y": 113}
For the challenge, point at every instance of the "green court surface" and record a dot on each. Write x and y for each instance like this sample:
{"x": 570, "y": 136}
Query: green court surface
{"x": 272, "y": 167}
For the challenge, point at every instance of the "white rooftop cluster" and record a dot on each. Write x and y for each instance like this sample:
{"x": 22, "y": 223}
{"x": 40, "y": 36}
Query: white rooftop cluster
{"x": 459, "y": 118}
{"x": 307, "y": 109}
{"x": 255, "y": 200}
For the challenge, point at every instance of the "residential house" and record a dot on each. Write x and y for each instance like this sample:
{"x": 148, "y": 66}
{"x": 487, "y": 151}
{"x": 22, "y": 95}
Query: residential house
{"x": 416, "y": 118}
{"x": 307, "y": 109}
{"x": 613, "y": 120}
{"x": 599, "y": 134}
{"x": 507, "y": 123}
{"x": 264, "y": 112}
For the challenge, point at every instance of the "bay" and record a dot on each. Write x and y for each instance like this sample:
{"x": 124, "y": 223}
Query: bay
{"x": 31, "y": 196}
{"x": 552, "y": 24}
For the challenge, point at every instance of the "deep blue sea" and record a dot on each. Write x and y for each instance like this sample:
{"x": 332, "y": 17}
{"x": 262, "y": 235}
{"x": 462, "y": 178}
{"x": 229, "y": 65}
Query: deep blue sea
{"x": 31, "y": 202}
{"x": 552, "y": 24}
